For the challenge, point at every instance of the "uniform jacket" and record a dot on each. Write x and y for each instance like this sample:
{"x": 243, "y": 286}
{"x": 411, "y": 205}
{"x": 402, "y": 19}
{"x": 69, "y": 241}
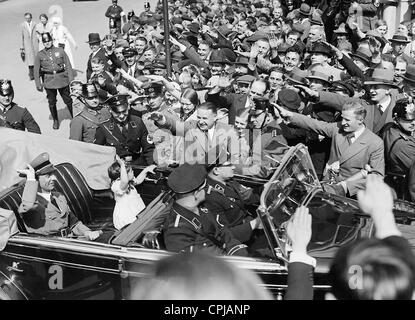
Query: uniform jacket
{"x": 19, "y": 118}
{"x": 337, "y": 101}
{"x": 367, "y": 149}
{"x": 44, "y": 217}
{"x": 399, "y": 148}
{"x": 135, "y": 143}
{"x": 30, "y": 42}
{"x": 226, "y": 203}
{"x": 49, "y": 61}
{"x": 197, "y": 143}
{"x": 114, "y": 12}
{"x": 186, "y": 231}
{"x": 84, "y": 125}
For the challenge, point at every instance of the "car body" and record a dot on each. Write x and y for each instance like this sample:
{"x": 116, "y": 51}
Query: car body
{"x": 50, "y": 267}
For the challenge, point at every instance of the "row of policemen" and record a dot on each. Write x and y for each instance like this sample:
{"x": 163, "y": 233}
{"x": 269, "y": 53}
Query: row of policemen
{"x": 11, "y": 114}
{"x": 53, "y": 72}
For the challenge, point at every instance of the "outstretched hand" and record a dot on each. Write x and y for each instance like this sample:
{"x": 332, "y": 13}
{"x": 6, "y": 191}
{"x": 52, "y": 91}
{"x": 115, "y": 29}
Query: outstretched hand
{"x": 299, "y": 230}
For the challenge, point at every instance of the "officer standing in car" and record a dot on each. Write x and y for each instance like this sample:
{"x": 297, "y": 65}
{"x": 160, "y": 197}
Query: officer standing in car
{"x": 12, "y": 115}
{"x": 84, "y": 125}
{"x": 125, "y": 132}
{"x": 53, "y": 71}
{"x": 189, "y": 226}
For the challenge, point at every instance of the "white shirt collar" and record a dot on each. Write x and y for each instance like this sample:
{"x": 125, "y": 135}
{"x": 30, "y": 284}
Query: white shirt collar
{"x": 45, "y": 195}
{"x": 211, "y": 132}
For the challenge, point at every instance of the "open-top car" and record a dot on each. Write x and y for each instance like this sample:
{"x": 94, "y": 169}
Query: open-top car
{"x": 52, "y": 267}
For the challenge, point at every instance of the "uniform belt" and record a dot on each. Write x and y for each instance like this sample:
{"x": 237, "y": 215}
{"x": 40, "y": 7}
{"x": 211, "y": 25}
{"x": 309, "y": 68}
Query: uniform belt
{"x": 64, "y": 232}
{"x": 53, "y": 72}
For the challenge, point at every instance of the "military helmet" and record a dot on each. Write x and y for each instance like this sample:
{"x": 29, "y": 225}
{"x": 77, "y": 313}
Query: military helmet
{"x": 404, "y": 110}
{"x": 89, "y": 91}
{"x": 46, "y": 37}
{"x": 6, "y": 88}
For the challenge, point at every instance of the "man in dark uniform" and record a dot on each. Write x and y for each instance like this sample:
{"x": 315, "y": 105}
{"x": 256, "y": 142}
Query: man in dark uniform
{"x": 11, "y": 114}
{"x": 189, "y": 227}
{"x": 44, "y": 210}
{"x": 53, "y": 71}
{"x": 84, "y": 125}
{"x": 398, "y": 139}
{"x": 114, "y": 13}
{"x": 125, "y": 132}
{"x": 226, "y": 199}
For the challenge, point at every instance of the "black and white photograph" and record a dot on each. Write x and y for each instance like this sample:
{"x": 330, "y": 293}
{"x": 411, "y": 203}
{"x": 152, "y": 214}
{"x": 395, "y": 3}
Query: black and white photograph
{"x": 207, "y": 154}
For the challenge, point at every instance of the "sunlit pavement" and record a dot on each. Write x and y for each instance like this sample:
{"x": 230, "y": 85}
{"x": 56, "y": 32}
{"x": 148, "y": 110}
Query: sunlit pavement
{"x": 80, "y": 18}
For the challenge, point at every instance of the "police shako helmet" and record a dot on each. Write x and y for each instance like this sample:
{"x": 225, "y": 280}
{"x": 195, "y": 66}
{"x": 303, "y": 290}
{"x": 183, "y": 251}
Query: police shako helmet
{"x": 89, "y": 91}
{"x": 404, "y": 110}
{"x": 46, "y": 37}
{"x": 6, "y": 88}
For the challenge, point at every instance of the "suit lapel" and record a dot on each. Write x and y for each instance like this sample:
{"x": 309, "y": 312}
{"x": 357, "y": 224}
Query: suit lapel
{"x": 355, "y": 148}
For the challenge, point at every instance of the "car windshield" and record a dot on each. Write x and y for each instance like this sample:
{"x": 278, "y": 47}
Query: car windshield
{"x": 292, "y": 183}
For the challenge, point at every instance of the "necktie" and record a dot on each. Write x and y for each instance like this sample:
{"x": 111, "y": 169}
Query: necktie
{"x": 130, "y": 71}
{"x": 350, "y": 137}
{"x": 380, "y": 109}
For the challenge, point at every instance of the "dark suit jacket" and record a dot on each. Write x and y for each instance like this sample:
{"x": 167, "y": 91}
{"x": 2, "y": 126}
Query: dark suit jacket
{"x": 231, "y": 101}
{"x": 107, "y": 61}
{"x": 367, "y": 149}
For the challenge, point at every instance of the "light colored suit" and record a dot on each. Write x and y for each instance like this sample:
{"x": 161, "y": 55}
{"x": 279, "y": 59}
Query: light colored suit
{"x": 367, "y": 149}
{"x": 30, "y": 42}
{"x": 198, "y": 146}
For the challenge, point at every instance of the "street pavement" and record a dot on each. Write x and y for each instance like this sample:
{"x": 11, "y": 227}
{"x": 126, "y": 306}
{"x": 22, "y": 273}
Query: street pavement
{"x": 80, "y": 18}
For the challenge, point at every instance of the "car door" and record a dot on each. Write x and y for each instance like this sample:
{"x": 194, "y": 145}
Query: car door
{"x": 60, "y": 268}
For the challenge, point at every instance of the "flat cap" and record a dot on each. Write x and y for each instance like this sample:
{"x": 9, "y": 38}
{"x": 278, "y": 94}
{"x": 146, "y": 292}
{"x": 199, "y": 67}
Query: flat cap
{"x": 246, "y": 78}
{"x": 42, "y": 165}
{"x": 187, "y": 178}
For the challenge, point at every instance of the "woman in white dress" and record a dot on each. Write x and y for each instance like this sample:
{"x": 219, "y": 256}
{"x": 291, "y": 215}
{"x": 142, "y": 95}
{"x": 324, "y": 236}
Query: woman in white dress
{"x": 61, "y": 38}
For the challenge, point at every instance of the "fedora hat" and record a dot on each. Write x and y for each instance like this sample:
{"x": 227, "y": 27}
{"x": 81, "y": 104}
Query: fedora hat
{"x": 93, "y": 38}
{"x": 399, "y": 38}
{"x": 320, "y": 47}
{"x": 364, "y": 54}
{"x": 297, "y": 76}
{"x": 305, "y": 10}
{"x": 381, "y": 76}
{"x": 409, "y": 75}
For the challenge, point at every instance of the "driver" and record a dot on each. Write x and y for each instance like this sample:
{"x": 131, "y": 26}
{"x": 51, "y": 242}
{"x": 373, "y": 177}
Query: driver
{"x": 44, "y": 210}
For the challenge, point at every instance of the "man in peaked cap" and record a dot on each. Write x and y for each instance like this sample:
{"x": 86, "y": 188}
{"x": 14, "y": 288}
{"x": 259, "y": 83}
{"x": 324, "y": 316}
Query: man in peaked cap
{"x": 127, "y": 133}
{"x": 84, "y": 125}
{"x": 130, "y": 63}
{"x": 226, "y": 199}
{"x": 190, "y": 227}
{"x": 44, "y": 210}
{"x": 11, "y": 114}
{"x": 53, "y": 72}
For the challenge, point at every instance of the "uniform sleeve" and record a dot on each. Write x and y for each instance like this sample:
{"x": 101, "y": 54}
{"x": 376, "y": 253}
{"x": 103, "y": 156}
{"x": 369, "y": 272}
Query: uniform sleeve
{"x": 148, "y": 148}
{"x": 68, "y": 65}
{"x": 29, "y": 196}
{"x": 36, "y": 70}
{"x": 178, "y": 239}
{"x": 29, "y": 122}
{"x": 75, "y": 129}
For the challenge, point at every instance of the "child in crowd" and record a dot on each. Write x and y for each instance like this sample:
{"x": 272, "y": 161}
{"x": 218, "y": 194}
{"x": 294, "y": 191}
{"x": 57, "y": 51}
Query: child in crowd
{"x": 128, "y": 203}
